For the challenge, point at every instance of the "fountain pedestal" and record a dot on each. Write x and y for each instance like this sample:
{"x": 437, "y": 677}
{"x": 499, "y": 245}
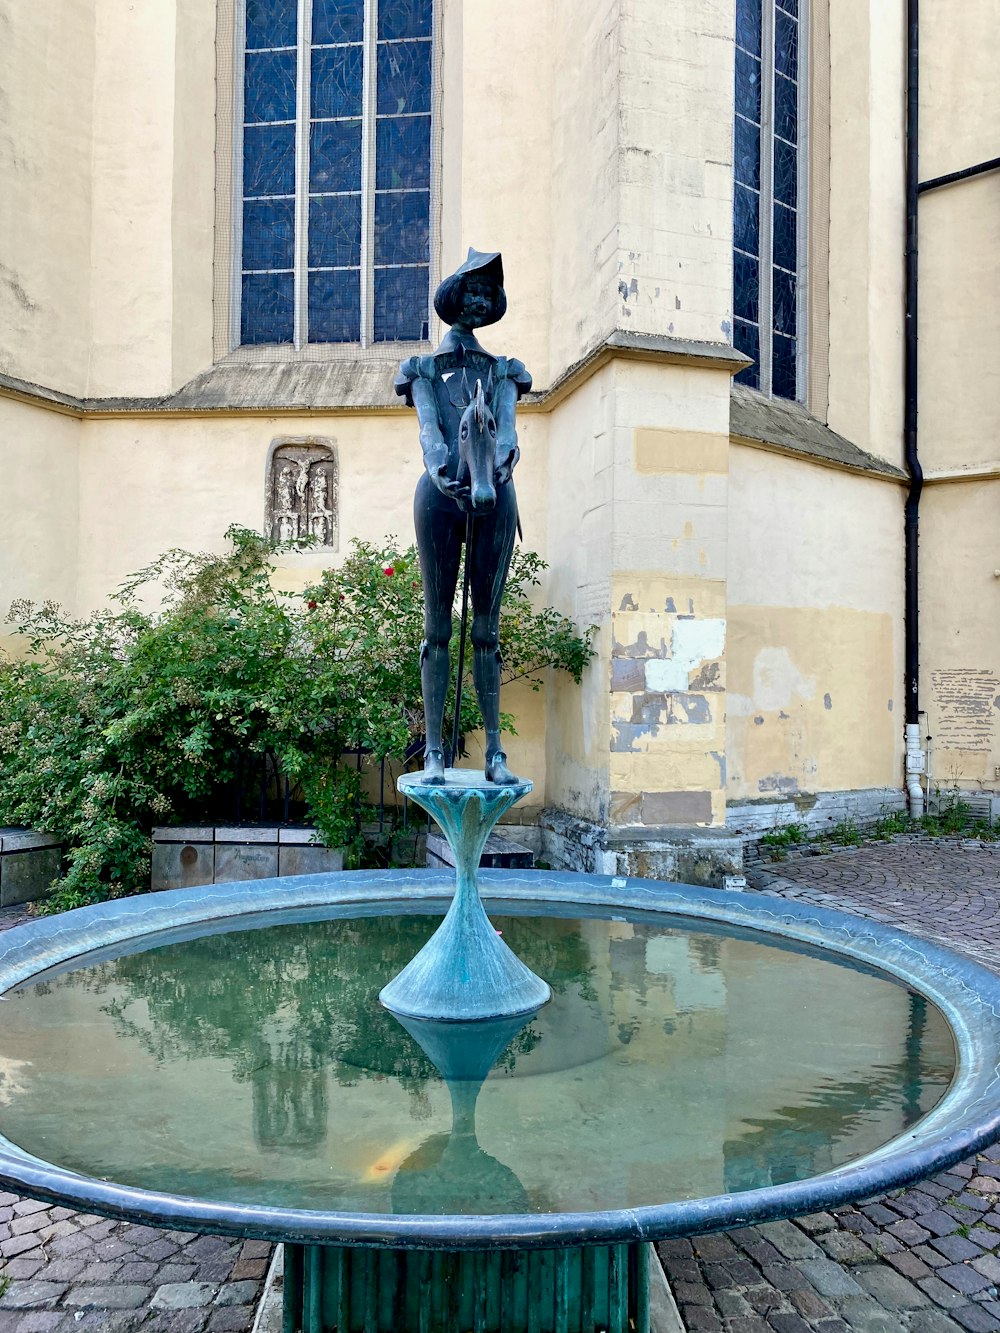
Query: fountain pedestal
{"x": 465, "y": 971}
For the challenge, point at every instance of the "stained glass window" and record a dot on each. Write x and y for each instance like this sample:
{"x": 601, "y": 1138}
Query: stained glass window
{"x": 336, "y": 171}
{"x": 767, "y": 188}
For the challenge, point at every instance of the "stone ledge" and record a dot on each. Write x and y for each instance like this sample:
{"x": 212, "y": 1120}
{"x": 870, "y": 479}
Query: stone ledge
{"x": 682, "y": 853}
{"x": 353, "y": 384}
{"x": 786, "y": 427}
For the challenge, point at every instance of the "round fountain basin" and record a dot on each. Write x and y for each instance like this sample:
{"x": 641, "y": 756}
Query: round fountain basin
{"x": 706, "y": 1059}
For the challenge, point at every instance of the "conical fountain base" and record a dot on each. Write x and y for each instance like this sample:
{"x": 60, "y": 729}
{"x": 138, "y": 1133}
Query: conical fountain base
{"x": 465, "y": 971}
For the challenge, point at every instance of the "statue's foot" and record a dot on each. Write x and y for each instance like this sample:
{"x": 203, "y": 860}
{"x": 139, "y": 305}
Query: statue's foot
{"x": 433, "y": 773}
{"x": 497, "y": 770}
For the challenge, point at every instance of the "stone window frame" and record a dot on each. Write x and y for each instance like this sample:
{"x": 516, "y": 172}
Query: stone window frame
{"x": 805, "y": 322}
{"x": 226, "y": 339}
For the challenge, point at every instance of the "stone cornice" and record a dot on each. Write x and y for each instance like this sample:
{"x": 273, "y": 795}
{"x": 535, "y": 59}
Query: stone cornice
{"x": 237, "y": 387}
{"x": 784, "y": 427}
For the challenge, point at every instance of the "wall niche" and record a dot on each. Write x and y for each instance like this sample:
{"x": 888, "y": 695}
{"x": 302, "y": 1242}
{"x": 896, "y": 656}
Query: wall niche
{"x": 303, "y": 490}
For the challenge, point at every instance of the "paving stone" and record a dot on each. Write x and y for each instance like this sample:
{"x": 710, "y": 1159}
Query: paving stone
{"x": 956, "y": 1249}
{"x": 788, "y": 1323}
{"x": 178, "y": 1321}
{"x": 941, "y": 1292}
{"x": 880, "y": 1215}
{"x": 24, "y": 1268}
{"x": 847, "y": 1248}
{"x": 254, "y": 1269}
{"x": 692, "y": 1293}
{"x": 39, "y": 1321}
{"x": 808, "y": 1304}
{"x": 234, "y": 1319}
{"x": 932, "y": 1258}
{"x": 976, "y": 1319}
{"x": 829, "y": 1278}
{"x": 783, "y": 1276}
{"x": 909, "y": 1265}
{"x": 814, "y": 1223}
{"x": 890, "y": 1288}
{"x": 183, "y": 1295}
{"x": 989, "y": 1266}
{"x": 963, "y": 1278}
{"x": 17, "y": 1245}
{"x": 730, "y": 1304}
{"x": 908, "y": 1232}
{"x": 699, "y": 1319}
{"x": 237, "y": 1293}
{"x": 933, "y": 1321}
{"x": 763, "y": 1299}
{"x": 789, "y": 1240}
{"x": 985, "y": 1184}
{"x": 26, "y": 1295}
{"x": 175, "y": 1272}
{"x": 27, "y": 1207}
{"x": 863, "y": 1315}
{"x": 114, "y": 1296}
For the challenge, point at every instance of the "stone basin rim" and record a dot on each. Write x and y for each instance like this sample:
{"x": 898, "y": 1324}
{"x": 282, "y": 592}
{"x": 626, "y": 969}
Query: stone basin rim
{"x": 966, "y": 1119}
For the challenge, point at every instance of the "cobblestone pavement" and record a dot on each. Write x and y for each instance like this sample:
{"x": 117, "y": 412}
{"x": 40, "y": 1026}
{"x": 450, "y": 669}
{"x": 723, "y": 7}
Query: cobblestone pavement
{"x": 921, "y": 1260}
{"x": 72, "y": 1271}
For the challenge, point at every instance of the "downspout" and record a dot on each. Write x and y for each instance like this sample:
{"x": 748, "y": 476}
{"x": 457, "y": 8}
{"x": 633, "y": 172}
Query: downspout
{"x": 914, "y": 754}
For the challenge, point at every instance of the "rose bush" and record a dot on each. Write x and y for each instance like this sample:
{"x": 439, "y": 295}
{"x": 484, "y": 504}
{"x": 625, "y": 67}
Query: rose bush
{"x": 129, "y": 718}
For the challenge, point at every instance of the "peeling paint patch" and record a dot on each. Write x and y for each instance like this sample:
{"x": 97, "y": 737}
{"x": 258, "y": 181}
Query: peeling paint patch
{"x": 626, "y": 734}
{"x": 658, "y": 709}
{"x": 727, "y": 330}
{"x": 676, "y": 807}
{"x": 720, "y": 759}
{"x": 670, "y": 606}
{"x": 627, "y": 603}
{"x": 827, "y": 702}
{"x": 627, "y": 673}
{"x": 890, "y": 705}
{"x": 708, "y": 678}
{"x": 777, "y": 680}
{"x": 758, "y": 721}
{"x": 777, "y": 782}
{"x": 641, "y": 648}
{"x": 783, "y": 716}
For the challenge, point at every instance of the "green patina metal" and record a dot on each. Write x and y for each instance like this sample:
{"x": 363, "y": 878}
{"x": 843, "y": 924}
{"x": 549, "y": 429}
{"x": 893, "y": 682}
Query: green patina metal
{"x": 591, "y": 1289}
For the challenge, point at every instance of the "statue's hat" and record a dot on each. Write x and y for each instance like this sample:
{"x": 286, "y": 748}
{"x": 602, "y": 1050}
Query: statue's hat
{"x": 486, "y": 264}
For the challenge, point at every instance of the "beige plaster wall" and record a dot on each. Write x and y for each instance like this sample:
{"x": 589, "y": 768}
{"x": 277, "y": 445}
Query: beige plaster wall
{"x": 46, "y": 109}
{"x": 580, "y": 493}
{"x": 959, "y": 405}
{"x": 505, "y": 74}
{"x": 584, "y": 55}
{"x": 675, "y": 167}
{"x": 867, "y": 224}
{"x": 39, "y": 507}
{"x": 668, "y": 595}
{"x": 815, "y": 612}
{"x": 960, "y": 631}
{"x": 959, "y": 114}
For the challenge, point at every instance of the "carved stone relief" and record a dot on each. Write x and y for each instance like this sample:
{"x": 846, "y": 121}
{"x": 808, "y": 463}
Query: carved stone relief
{"x": 303, "y": 490}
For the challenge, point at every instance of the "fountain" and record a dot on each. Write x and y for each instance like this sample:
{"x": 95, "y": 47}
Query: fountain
{"x": 480, "y": 1122}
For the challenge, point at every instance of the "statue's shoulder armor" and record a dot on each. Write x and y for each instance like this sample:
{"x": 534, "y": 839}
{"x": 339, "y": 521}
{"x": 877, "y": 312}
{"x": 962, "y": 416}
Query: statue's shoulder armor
{"x": 412, "y": 369}
{"x": 509, "y": 368}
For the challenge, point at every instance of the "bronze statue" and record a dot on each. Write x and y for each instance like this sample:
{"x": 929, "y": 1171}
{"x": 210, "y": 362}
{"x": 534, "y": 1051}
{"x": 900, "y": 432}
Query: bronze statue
{"x": 465, "y": 400}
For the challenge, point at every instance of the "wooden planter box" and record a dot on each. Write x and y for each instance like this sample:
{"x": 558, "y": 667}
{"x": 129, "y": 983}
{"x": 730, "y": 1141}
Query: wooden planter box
{"x": 29, "y": 862}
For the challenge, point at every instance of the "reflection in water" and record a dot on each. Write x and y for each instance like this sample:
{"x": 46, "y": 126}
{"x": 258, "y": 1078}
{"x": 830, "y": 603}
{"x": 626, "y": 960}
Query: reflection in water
{"x": 452, "y": 1169}
{"x": 258, "y": 1066}
{"x": 795, "y": 1141}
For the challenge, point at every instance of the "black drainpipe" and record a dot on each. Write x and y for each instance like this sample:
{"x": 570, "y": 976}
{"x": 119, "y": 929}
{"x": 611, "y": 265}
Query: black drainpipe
{"x": 912, "y": 665}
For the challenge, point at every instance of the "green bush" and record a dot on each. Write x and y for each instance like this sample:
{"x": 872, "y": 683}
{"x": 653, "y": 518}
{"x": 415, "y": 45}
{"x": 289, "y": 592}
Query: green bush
{"x": 130, "y": 718}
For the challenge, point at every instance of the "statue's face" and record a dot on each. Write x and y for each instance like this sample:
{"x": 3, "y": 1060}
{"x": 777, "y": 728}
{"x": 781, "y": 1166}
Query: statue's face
{"x": 478, "y": 300}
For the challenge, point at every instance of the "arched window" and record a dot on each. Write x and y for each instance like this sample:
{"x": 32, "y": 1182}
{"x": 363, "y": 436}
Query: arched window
{"x": 768, "y": 188}
{"x": 336, "y": 146}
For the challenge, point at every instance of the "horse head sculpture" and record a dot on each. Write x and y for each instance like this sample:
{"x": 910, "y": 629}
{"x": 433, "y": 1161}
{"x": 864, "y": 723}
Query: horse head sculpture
{"x": 477, "y": 441}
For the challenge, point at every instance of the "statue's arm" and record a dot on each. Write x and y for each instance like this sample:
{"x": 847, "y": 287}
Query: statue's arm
{"x": 514, "y": 382}
{"x": 432, "y": 441}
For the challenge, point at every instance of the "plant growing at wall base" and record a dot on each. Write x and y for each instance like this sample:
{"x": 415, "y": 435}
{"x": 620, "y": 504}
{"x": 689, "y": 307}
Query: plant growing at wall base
{"x": 129, "y": 718}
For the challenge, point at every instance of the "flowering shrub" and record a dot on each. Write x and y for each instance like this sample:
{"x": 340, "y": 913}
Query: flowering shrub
{"x": 129, "y": 718}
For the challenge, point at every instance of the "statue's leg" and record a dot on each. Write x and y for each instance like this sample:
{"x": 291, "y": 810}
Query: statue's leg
{"x": 439, "y": 542}
{"x": 492, "y": 546}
